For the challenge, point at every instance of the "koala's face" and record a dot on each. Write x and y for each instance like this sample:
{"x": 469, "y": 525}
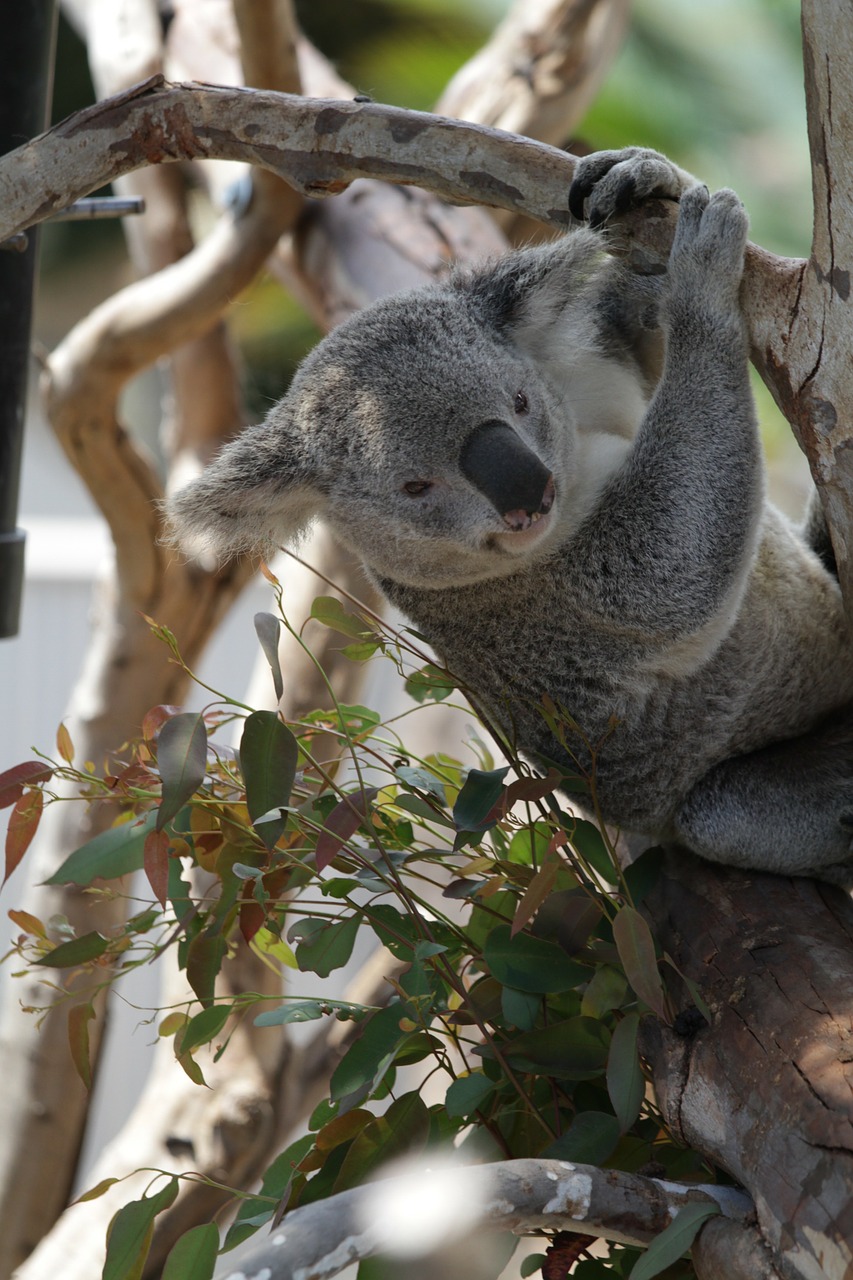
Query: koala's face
{"x": 438, "y": 449}
{"x": 448, "y": 434}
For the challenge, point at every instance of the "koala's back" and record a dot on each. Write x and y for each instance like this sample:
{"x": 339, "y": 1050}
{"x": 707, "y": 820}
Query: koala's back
{"x": 656, "y": 715}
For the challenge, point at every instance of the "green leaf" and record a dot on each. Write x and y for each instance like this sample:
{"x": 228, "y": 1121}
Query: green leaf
{"x": 588, "y": 840}
{"x": 626, "y": 1083}
{"x": 268, "y": 758}
{"x": 330, "y": 611}
{"x": 574, "y": 1049}
{"x": 468, "y": 1094}
{"x": 193, "y": 1256}
{"x": 531, "y": 964}
{"x": 182, "y": 762}
{"x": 421, "y": 780}
{"x": 606, "y": 991}
{"x": 369, "y": 1057}
{"x": 305, "y": 1011}
{"x": 114, "y": 853}
{"x": 520, "y": 1008}
{"x": 267, "y": 628}
{"x": 531, "y": 1264}
{"x": 130, "y": 1232}
{"x": 404, "y": 1128}
{"x": 204, "y": 959}
{"x": 324, "y": 945}
{"x": 674, "y": 1241}
{"x": 429, "y": 684}
{"x": 255, "y": 1210}
{"x": 204, "y": 1026}
{"x": 77, "y": 951}
{"x": 590, "y": 1139}
{"x": 478, "y": 797}
{"x": 636, "y": 948}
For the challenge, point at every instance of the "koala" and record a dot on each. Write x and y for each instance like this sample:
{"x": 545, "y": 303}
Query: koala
{"x": 552, "y": 467}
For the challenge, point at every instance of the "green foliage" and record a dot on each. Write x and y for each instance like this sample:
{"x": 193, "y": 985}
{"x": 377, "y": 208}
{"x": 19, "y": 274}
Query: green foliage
{"x": 524, "y": 966}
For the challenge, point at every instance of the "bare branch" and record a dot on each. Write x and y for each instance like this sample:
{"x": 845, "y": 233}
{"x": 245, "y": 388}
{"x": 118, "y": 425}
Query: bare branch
{"x": 523, "y": 1196}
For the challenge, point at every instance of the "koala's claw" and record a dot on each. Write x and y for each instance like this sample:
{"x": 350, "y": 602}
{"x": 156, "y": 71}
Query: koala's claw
{"x": 608, "y": 183}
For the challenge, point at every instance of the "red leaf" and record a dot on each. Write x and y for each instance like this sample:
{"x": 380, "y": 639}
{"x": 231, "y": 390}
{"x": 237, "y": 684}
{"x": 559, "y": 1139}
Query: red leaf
{"x": 532, "y": 788}
{"x": 155, "y": 861}
{"x": 534, "y": 895}
{"x": 153, "y": 720}
{"x": 563, "y": 1252}
{"x": 636, "y": 948}
{"x": 23, "y": 824}
{"x": 344, "y": 820}
{"x": 252, "y": 917}
{"x": 13, "y": 781}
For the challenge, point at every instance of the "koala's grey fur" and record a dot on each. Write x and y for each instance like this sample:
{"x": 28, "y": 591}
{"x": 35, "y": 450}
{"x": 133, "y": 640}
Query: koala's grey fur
{"x": 694, "y": 636}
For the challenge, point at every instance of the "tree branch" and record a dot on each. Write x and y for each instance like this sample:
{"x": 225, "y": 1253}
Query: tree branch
{"x": 523, "y": 1196}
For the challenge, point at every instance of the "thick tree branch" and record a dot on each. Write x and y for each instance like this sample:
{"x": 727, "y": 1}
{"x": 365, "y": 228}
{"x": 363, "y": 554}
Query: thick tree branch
{"x": 767, "y": 1090}
{"x": 522, "y": 1196}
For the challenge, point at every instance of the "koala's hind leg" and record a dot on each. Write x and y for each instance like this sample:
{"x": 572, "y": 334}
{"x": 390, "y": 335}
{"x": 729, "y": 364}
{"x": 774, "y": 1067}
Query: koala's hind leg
{"x": 787, "y": 808}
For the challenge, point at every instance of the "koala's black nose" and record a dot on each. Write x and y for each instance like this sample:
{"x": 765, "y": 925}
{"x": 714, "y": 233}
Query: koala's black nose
{"x": 499, "y": 463}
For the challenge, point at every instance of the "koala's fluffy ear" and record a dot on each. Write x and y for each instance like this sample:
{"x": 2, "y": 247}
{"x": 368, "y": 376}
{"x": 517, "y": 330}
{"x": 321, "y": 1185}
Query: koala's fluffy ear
{"x": 530, "y": 296}
{"x": 256, "y": 495}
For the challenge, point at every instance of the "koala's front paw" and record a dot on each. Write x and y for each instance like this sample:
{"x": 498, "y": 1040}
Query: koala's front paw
{"x": 611, "y": 182}
{"x": 706, "y": 260}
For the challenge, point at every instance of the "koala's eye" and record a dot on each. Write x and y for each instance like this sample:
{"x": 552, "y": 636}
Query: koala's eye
{"x": 520, "y": 402}
{"x": 414, "y": 488}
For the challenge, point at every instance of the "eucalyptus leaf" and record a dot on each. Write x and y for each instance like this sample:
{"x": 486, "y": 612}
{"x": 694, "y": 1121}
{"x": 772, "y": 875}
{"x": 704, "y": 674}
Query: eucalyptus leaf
{"x": 182, "y": 762}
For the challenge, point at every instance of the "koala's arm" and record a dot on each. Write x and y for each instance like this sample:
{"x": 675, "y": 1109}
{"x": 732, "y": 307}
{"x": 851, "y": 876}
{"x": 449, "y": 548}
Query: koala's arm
{"x": 672, "y": 539}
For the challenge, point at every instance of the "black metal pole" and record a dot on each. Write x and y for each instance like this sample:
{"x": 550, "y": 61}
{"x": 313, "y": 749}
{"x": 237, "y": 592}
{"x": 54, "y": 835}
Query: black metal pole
{"x": 26, "y": 77}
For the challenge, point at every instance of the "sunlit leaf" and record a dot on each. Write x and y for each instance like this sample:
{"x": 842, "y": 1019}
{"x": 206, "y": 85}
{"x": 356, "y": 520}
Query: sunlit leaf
{"x": 193, "y": 1256}
{"x": 268, "y": 757}
{"x": 674, "y": 1241}
{"x": 155, "y": 860}
{"x": 79, "y": 1017}
{"x": 64, "y": 745}
{"x": 181, "y": 761}
{"x": 153, "y": 720}
{"x": 23, "y": 824}
{"x": 330, "y": 611}
{"x": 268, "y": 627}
{"x": 430, "y": 684}
{"x": 344, "y": 820}
{"x": 403, "y": 1129}
{"x": 99, "y": 1189}
{"x": 625, "y": 1080}
{"x": 13, "y": 781}
{"x": 113, "y": 853}
{"x": 30, "y": 924}
{"x": 636, "y": 948}
{"x": 130, "y": 1232}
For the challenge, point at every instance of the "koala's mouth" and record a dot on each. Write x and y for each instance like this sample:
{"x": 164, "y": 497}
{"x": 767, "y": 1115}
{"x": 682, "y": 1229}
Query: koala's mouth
{"x": 525, "y": 528}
